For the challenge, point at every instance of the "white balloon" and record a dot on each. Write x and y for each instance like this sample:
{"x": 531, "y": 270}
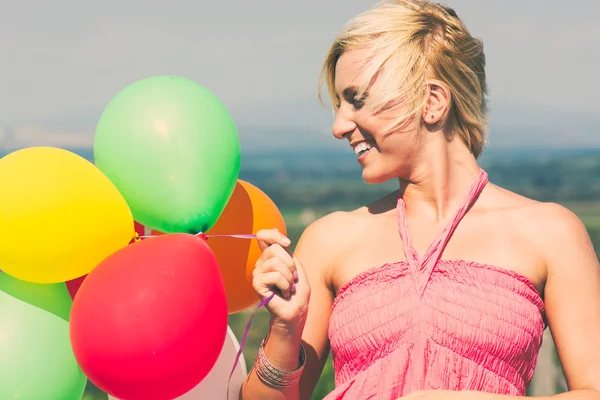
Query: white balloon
{"x": 214, "y": 385}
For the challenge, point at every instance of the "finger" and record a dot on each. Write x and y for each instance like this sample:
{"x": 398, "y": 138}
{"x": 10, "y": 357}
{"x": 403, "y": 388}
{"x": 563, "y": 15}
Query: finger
{"x": 276, "y": 251}
{"x": 267, "y": 237}
{"x": 272, "y": 280}
{"x": 277, "y": 265}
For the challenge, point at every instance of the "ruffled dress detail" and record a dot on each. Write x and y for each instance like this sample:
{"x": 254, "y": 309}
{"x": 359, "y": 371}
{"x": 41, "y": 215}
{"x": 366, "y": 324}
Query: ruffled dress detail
{"x": 427, "y": 323}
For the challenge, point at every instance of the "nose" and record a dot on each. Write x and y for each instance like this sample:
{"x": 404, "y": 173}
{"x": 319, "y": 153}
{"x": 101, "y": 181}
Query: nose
{"x": 343, "y": 123}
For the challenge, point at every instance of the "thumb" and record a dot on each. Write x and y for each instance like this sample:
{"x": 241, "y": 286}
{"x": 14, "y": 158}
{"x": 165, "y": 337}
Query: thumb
{"x": 268, "y": 237}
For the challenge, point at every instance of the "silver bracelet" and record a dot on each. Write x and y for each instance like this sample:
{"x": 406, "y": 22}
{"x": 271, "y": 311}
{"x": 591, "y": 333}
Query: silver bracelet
{"x": 274, "y": 377}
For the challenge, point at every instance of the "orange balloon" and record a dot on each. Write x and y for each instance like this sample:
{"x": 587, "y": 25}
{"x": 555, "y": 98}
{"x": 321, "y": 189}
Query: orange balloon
{"x": 248, "y": 211}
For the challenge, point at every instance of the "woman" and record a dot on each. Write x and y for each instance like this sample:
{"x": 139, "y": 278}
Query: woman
{"x": 445, "y": 285}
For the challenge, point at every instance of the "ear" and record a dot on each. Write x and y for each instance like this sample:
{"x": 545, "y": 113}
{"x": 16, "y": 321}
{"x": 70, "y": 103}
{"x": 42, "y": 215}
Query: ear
{"x": 437, "y": 104}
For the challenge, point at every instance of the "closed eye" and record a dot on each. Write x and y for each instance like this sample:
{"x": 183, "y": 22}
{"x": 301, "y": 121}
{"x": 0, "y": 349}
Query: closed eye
{"x": 351, "y": 96}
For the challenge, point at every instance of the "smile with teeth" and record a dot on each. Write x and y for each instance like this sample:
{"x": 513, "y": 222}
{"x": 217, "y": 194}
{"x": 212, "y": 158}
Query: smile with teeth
{"x": 362, "y": 148}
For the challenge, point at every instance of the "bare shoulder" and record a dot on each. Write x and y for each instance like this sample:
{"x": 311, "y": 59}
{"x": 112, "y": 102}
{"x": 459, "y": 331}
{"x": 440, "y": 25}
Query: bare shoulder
{"x": 532, "y": 213}
{"x": 550, "y": 227}
{"x": 338, "y": 230}
{"x": 324, "y": 240}
{"x": 559, "y": 230}
{"x": 558, "y": 219}
{"x": 332, "y": 237}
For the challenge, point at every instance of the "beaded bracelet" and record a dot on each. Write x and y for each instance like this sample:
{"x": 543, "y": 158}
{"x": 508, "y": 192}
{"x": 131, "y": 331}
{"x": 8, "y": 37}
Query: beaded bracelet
{"x": 275, "y": 377}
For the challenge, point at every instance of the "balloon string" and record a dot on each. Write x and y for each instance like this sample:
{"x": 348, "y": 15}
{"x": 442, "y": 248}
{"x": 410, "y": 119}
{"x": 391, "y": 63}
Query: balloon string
{"x": 237, "y": 236}
{"x": 205, "y": 236}
{"x": 245, "y": 337}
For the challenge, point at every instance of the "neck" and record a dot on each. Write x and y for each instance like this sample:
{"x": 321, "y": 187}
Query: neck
{"x": 440, "y": 182}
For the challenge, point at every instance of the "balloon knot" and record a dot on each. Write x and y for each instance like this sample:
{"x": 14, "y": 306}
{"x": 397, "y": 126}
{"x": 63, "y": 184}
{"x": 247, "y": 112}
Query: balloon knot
{"x": 202, "y": 236}
{"x": 136, "y": 237}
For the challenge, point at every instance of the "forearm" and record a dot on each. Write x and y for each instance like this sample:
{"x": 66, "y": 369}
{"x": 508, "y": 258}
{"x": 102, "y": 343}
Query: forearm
{"x": 282, "y": 349}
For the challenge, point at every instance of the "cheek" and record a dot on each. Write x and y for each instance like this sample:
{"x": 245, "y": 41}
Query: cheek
{"x": 397, "y": 144}
{"x": 390, "y": 130}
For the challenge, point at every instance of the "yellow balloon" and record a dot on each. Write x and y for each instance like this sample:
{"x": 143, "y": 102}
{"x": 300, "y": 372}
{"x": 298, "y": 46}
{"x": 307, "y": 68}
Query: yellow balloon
{"x": 59, "y": 215}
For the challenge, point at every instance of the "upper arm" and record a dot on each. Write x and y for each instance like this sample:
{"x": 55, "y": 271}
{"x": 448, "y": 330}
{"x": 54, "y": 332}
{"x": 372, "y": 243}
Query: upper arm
{"x": 316, "y": 251}
{"x": 572, "y": 298}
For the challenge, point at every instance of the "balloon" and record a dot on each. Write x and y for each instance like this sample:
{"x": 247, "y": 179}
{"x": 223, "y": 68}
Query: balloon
{"x": 47, "y": 297}
{"x": 36, "y": 359}
{"x": 150, "y": 321}
{"x": 214, "y": 386}
{"x": 50, "y": 199}
{"x": 248, "y": 211}
{"x": 139, "y": 229}
{"x": 193, "y": 146}
{"x": 74, "y": 284}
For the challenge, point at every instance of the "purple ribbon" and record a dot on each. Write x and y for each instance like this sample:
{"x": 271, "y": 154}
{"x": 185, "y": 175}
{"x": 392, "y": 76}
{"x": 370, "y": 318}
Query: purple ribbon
{"x": 245, "y": 337}
{"x": 205, "y": 236}
{"x": 236, "y": 236}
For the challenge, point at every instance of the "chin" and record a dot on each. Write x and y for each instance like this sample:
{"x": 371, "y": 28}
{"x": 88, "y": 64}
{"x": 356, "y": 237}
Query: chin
{"x": 373, "y": 178}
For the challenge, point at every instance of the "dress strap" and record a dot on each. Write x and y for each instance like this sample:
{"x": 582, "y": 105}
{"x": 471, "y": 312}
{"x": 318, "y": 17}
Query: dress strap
{"x": 422, "y": 268}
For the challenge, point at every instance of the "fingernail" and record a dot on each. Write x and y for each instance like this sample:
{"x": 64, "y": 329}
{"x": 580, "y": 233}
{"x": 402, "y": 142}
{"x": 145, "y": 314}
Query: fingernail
{"x": 286, "y": 241}
{"x": 295, "y": 276}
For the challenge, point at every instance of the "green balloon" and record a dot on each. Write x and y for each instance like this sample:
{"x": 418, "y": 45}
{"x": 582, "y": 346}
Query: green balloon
{"x": 53, "y": 298}
{"x": 172, "y": 149}
{"x": 36, "y": 359}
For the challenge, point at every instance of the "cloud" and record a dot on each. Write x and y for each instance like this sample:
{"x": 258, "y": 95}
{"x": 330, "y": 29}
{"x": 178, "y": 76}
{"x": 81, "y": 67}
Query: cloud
{"x": 33, "y": 135}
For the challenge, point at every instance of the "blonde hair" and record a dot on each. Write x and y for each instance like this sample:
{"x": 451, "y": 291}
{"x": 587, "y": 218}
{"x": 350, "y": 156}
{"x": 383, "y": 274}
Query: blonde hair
{"x": 412, "y": 43}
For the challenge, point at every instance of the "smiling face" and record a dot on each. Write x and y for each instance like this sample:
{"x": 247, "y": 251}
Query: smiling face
{"x": 385, "y": 152}
{"x": 424, "y": 78}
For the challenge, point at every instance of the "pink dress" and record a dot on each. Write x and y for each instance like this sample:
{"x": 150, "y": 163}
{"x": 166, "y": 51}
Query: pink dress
{"x": 426, "y": 323}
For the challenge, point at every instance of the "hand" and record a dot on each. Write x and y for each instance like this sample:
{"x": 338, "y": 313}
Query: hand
{"x": 280, "y": 272}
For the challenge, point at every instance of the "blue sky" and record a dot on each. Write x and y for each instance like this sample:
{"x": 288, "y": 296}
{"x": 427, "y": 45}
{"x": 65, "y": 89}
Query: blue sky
{"x": 62, "y": 62}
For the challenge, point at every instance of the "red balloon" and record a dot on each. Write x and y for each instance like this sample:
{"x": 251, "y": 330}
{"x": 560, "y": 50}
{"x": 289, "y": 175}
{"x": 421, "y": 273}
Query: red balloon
{"x": 149, "y": 322}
